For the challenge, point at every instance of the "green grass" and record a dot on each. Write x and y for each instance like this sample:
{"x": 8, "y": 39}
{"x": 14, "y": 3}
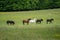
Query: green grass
{"x": 32, "y": 31}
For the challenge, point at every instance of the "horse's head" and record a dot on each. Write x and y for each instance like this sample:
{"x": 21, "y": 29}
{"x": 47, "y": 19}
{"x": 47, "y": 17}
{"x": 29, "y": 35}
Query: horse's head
{"x": 52, "y": 19}
{"x": 41, "y": 19}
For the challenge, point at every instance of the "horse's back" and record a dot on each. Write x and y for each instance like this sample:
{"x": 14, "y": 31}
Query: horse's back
{"x": 10, "y": 22}
{"x": 32, "y": 21}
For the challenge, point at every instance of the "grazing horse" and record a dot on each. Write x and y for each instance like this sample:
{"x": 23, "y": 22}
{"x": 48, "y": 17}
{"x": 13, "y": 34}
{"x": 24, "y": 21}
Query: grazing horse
{"x": 26, "y": 21}
{"x": 10, "y": 22}
{"x": 32, "y": 21}
{"x": 39, "y": 20}
{"x": 49, "y": 20}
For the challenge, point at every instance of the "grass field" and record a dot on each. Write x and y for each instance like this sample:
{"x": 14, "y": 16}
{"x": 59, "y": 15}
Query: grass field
{"x": 32, "y": 31}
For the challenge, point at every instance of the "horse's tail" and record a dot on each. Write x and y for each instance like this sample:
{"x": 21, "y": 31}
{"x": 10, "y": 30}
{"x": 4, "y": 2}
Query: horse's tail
{"x": 23, "y": 22}
{"x": 7, "y": 22}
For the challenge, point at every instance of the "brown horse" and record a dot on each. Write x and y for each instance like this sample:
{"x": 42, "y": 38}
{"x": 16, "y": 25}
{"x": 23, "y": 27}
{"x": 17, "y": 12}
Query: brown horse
{"x": 26, "y": 21}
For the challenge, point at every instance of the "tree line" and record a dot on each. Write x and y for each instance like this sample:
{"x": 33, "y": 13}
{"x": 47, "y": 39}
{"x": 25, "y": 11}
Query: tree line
{"x": 25, "y": 5}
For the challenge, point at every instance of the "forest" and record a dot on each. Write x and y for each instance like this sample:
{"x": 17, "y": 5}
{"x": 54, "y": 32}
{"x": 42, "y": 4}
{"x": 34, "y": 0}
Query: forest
{"x": 26, "y": 5}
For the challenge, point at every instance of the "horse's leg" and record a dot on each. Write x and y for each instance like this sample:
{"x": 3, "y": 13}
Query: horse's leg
{"x": 27, "y": 23}
{"x": 51, "y": 21}
{"x": 8, "y": 23}
{"x": 23, "y": 22}
{"x": 36, "y": 22}
{"x": 40, "y": 22}
{"x": 13, "y": 23}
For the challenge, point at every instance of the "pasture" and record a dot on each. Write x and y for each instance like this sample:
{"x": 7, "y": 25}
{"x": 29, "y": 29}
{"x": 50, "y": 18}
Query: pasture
{"x": 32, "y": 31}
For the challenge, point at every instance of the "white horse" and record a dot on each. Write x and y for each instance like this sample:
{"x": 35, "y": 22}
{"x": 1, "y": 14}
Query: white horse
{"x": 32, "y": 21}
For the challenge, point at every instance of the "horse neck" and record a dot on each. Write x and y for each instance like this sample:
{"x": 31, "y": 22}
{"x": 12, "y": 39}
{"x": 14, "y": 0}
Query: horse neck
{"x": 28, "y": 20}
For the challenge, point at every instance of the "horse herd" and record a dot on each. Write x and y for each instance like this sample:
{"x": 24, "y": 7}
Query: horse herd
{"x": 29, "y": 20}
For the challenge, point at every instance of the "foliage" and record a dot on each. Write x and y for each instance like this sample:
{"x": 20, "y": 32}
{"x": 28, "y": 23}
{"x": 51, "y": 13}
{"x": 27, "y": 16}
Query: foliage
{"x": 20, "y": 5}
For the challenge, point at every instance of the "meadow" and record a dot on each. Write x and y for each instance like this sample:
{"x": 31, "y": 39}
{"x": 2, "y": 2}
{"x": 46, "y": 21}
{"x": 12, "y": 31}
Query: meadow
{"x": 32, "y": 31}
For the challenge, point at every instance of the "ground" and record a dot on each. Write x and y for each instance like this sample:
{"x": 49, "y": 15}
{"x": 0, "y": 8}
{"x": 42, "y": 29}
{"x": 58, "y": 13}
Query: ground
{"x": 32, "y": 31}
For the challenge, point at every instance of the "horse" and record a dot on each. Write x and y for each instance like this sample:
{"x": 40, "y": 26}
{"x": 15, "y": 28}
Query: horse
{"x": 49, "y": 20}
{"x": 39, "y": 21}
{"x": 26, "y": 21}
{"x": 32, "y": 20}
{"x": 10, "y": 22}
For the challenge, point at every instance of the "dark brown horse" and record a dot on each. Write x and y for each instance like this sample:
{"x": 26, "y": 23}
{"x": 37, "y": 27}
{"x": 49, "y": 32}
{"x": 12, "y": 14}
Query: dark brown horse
{"x": 39, "y": 20}
{"x": 49, "y": 20}
{"x": 26, "y": 21}
{"x": 10, "y": 22}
